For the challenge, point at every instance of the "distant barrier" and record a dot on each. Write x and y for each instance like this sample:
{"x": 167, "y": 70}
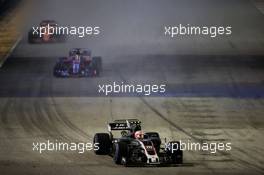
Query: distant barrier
{"x": 5, "y": 5}
{"x": 2, "y": 2}
{"x": 2, "y": 5}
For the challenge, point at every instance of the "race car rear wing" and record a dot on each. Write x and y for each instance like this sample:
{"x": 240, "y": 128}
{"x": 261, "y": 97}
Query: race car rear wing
{"x": 124, "y": 124}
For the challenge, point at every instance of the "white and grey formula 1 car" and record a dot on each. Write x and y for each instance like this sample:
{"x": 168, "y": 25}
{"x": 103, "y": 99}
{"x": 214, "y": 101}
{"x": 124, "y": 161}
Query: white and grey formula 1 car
{"x": 135, "y": 148}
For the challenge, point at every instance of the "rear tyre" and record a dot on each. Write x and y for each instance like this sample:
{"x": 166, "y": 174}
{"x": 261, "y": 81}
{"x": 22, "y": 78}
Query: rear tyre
{"x": 32, "y": 39}
{"x": 102, "y": 140}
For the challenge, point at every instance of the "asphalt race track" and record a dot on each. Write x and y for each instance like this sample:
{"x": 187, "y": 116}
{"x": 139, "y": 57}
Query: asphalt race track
{"x": 215, "y": 88}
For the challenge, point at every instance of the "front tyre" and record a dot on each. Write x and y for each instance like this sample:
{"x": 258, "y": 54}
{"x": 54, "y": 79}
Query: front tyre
{"x": 97, "y": 65}
{"x": 120, "y": 153}
{"x": 175, "y": 154}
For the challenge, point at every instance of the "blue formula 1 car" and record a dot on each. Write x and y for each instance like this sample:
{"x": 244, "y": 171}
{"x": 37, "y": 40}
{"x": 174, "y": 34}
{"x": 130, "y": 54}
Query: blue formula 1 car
{"x": 79, "y": 63}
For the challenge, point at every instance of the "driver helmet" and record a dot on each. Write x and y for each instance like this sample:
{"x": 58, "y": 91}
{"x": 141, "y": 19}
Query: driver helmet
{"x": 139, "y": 135}
{"x": 77, "y": 55}
{"x": 78, "y": 52}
